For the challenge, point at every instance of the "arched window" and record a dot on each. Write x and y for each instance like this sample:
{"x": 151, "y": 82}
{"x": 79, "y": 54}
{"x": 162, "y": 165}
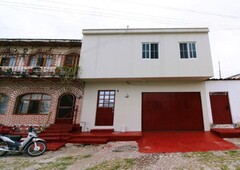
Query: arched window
{"x": 3, "y": 103}
{"x": 34, "y": 104}
{"x": 41, "y": 60}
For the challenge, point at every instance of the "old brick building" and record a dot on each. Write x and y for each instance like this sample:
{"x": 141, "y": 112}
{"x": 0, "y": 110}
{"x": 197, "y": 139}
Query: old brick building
{"x": 39, "y": 82}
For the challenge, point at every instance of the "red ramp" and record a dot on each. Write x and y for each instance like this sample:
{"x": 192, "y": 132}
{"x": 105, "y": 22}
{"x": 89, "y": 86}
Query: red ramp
{"x": 158, "y": 142}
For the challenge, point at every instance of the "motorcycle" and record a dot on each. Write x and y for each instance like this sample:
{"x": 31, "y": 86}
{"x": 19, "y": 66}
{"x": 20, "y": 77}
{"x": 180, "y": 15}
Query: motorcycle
{"x": 33, "y": 145}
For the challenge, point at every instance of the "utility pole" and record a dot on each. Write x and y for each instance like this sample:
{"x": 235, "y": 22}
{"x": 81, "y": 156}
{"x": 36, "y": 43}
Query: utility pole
{"x": 219, "y": 68}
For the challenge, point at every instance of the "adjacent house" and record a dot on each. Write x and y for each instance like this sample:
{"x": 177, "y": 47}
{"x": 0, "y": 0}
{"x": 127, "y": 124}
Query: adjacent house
{"x": 146, "y": 79}
{"x": 39, "y": 83}
{"x": 223, "y": 101}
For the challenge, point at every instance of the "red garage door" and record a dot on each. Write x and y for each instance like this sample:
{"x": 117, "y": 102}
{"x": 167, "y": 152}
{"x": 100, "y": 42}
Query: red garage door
{"x": 172, "y": 111}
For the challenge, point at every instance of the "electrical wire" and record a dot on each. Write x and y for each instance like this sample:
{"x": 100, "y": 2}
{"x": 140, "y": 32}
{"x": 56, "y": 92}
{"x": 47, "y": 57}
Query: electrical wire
{"x": 139, "y": 17}
{"x": 117, "y": 14}
{"x": 147, "y": 4}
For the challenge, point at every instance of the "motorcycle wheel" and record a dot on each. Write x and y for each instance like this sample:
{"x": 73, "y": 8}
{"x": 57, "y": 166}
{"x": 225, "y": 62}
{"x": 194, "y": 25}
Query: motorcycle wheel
{"x": 3, "y": 145}
{"x": 2, "y": 153}
{"x": 41, "y": 148}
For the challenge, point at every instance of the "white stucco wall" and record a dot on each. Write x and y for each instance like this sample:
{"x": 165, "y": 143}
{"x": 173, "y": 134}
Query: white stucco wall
{"x": 119, "y": 55}
{"x": 128, "y": 111}
{"x": 233, "y": 89}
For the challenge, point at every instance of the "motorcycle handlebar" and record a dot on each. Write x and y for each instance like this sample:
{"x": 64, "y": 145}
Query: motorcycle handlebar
{"x": 31, "y": 129}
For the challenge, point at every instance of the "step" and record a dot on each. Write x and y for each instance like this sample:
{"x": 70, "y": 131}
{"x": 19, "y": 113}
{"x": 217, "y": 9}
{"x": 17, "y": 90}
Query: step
{"x": 60, "y": 126}
{"x": 77, "y": 128}
{"x": 53, "y": 146}
{"x": 102, "y": 130}
{"x": 5, "y": 129}
{"x": 222, "y": 126}
{"x": 87, "y": 134}
{"x": 124, "y": 138}
{"x": 57, "y": 130}
{"x": 54, "y": 134}
{"x": 227, "y": 133}
{"x": 56, "y": 139}
{"x": 113, "y": 136}
{"x": 88, "y": 140}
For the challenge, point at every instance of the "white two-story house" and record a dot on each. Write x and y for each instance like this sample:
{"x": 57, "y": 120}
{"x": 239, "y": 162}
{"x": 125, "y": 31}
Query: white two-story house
{"x": 145, "y": 79}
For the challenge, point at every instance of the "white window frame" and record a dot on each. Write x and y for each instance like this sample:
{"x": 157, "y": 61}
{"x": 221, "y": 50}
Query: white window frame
{"x": 149, "y": 51}
{"x": 190, "y": 52}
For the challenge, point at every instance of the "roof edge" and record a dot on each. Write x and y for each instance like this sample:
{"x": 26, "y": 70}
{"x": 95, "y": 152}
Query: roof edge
{"x": 38, "y": 40}
{"x": 144, "y": 31}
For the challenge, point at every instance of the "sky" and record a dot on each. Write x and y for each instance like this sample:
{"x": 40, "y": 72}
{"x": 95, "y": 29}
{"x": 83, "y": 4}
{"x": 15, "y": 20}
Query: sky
{"x": 61, "y": 19}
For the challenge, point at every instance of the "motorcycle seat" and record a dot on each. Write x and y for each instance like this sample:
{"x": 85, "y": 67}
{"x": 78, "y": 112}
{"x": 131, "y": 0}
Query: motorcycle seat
{"x": 16, "y": 138}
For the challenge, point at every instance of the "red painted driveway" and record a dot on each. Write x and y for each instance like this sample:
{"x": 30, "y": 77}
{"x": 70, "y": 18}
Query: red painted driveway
{"x": 158, "y": 142}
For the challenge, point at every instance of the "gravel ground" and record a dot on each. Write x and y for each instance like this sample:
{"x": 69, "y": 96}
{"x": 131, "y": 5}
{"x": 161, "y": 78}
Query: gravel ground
{"x": 122, "y": 155}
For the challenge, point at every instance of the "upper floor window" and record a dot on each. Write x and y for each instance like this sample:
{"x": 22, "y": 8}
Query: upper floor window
{"x": 8, "y": 60}
{"x": 41, "y": 60}
{"x": 34, "y": 104}
{"x": 71, "y": 60}
{"x": 188, "y": 50}
{"x": 150, "y": 50}
{"x": 3, "y": 103}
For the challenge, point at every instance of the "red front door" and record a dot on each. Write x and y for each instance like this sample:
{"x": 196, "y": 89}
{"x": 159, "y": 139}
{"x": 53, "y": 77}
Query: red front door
{"x": 105, "y": 108}
{"x": 65, "y": 109}
{"x": 221, "y": 112}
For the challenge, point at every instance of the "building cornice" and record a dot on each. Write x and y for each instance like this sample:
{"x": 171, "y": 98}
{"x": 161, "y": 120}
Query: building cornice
{"x": 144, "y": 31}
{"x": 41, "y": 42}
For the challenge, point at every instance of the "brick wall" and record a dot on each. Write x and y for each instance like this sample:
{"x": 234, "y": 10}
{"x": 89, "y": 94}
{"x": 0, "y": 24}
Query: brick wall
{"x": 14, "y": 87}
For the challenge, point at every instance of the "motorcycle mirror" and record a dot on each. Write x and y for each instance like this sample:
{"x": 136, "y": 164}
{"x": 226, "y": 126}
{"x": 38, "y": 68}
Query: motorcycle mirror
{"x": 30, "y": 129}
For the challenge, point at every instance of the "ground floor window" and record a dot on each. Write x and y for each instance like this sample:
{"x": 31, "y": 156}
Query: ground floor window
{"x": 34, "y": 104}
{"x": 3, "y": 103}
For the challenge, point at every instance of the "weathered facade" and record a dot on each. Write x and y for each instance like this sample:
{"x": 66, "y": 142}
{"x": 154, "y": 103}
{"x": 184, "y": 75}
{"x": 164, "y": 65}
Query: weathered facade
{"x": 39, "y": 82}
